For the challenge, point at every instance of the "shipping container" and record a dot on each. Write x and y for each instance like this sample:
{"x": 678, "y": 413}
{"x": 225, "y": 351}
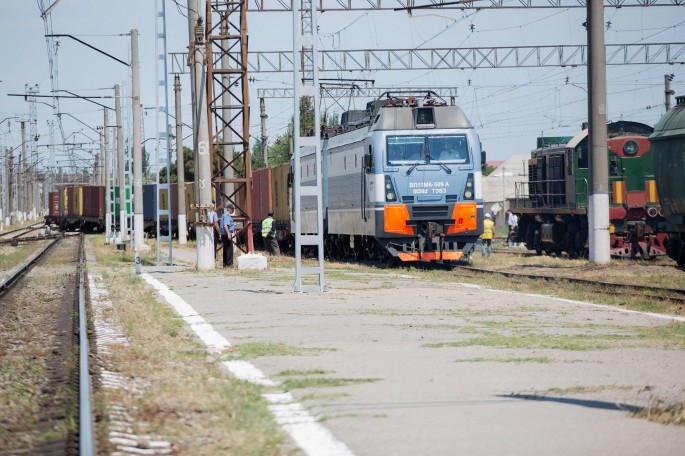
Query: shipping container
{"x": 75, "y": 201}
{"x": 279, "y": 192}
{"x": 64, "y": 202}
{"x": 93, "y": 201}
{"x": 261, "y": 194}
{"x": 150, "y": 202}
{"x": 54, "y": 204}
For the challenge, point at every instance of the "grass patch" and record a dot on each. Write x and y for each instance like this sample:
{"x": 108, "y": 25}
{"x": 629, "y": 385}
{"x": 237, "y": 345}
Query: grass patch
{"x": 325, "y": 418}
{"x": 178, "y": 395}
{"x": 292, "y": 373}
{"x": 253, "y": 350}
{"x": 670, "y": 336}
{"x": 318, "y": 382}
{"x": 672, "y": 414}
{"x": 323, "y": 397}
{"x": 533, "y": 341}
{"x": 587, "y": 389}
{"x": 538, "y": 359}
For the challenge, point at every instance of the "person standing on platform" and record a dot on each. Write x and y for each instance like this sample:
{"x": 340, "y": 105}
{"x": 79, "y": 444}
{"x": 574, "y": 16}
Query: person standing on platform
{"x": 488, "y": 234}
{"x": 214, "y": 217}
{"x": 269, "y": 235}
{"x": 227, "y": 234}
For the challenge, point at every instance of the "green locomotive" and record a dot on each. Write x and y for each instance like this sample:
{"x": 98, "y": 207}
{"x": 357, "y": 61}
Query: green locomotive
{"x": 552, "y": 204}
{"x": 668, "y": 145}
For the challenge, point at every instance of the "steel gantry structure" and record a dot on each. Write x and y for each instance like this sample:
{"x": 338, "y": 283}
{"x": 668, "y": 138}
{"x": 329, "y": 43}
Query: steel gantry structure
{"x": 459, "y": 58}
{"x": 410, "y": 5}
{"x": 228, "y": 104}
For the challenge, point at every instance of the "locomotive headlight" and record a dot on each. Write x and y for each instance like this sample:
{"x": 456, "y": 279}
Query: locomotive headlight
{"x": 390, "y": 194}
{"x": 630, "y": 147}
{"x": 468, "y": 188}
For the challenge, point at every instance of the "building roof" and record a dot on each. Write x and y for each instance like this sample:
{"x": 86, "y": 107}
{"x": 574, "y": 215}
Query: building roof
{"x": 500, "y": 184}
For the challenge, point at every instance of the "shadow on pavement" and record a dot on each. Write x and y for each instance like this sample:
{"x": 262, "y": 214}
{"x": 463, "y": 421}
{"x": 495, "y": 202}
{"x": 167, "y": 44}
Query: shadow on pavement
{"x": 582, "y": 402}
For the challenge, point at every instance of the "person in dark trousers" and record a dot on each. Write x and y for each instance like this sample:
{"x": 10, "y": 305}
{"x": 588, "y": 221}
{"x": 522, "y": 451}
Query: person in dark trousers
{"x": 269, "y": 235}
{"x": 227, "y": 234}
{"x": 215, "y": 224}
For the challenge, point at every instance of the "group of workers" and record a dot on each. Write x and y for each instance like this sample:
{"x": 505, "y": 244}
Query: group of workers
{"x": 485, "y": 239}
{"x": 224, "y": 228}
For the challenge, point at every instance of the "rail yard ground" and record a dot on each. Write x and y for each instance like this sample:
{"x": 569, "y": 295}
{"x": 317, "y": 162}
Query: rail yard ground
{"x": 400, "y": 361}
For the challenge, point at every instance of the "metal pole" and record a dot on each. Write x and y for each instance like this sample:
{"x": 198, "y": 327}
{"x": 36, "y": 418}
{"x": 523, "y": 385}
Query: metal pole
{"x": 121, "y": 164}
{"x": 667, "y": 90}
{"x": 10, "y": 186}
{"x": 21, "y": 179}
{"x": 203, "y": 171}
{"x": 180, "y": 166}
{"x": 107, "y": 171}
{"x": 227, "y": 150}
{"x": 263, "y": 116}
{"x": 138, "y": 227}
{"x": 598, "y": 200}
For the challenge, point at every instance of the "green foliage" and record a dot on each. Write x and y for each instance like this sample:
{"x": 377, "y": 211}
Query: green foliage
{"x": 487, "y": 169}
{"x": 188, "y": 164}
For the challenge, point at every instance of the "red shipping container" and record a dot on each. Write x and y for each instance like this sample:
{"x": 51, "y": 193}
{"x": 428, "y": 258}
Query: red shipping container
{"x": 54, "y": 204}
{"x": 261, "y": 194}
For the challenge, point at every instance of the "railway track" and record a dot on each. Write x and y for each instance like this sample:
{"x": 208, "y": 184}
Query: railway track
{"x": 16, "y": 235}
{"x": 676, "y": 295}
{"x": 44, "y": 354}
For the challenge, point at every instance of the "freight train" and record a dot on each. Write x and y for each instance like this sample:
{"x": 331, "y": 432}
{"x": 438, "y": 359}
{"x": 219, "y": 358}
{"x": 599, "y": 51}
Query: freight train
{"x": 82, "y": 207}
{"x": 552, "y": 204}
{"x": 668, "y": 155}
{"x": 401, "y": 180}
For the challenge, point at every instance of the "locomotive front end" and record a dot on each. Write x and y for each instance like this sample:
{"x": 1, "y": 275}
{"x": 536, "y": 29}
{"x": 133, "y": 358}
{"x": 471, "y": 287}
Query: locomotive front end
{"x": 428, "y": 183}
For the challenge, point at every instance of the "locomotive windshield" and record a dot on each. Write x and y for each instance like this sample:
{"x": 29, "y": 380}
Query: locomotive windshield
{"x": 411, "y": 150}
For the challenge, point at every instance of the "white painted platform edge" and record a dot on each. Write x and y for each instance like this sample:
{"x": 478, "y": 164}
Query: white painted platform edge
{"x": 293, "y": 417}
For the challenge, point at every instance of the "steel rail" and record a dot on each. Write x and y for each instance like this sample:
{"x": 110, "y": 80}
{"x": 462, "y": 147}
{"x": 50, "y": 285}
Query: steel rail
{"x": 28, "y": 229}
{"x": 29, "y": 239}
{"x": 86, "y": 440}
{"x": 609, "y": 287}
{"x": 9, "y": 282}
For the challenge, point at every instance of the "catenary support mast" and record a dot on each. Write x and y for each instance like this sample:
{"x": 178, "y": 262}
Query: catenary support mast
{"x": 598, "y": 198}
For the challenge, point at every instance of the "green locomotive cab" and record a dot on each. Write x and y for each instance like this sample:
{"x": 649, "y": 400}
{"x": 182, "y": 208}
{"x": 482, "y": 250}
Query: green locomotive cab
{"x": 552, "y": 204}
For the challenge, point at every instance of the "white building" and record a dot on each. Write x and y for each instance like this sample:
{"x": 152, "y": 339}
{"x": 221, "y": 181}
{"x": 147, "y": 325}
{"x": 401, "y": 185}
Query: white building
{"x": 499, "y": 188}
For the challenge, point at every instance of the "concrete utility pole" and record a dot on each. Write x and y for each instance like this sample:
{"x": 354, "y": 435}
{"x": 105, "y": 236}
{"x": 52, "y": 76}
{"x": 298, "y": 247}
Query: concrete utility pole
{"x": 21, "y": 179}
{"x": 180, "y": 166}
{"x": 121, "y": 164}
{"x": 138, "y": 227}
{"x": 667, "y": 90}
{"x": 203, "y": 171}
{"x": 10, "y": 186}
{"x": 106, "y": 172}
{"x": 263, "y": 116}
{"x": 598, "y": 199}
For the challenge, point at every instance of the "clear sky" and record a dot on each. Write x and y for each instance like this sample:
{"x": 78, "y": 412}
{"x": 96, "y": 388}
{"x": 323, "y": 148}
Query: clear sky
{"x": 509, "y": 107}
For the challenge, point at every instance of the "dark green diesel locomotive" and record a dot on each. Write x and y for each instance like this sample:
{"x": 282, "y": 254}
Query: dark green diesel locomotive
{"x": 552, "y": 204}
{"x": 668, "y": 150}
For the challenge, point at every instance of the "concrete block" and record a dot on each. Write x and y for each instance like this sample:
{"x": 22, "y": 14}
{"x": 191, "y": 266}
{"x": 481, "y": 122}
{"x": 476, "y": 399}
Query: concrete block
{"x": 252, "y": 261}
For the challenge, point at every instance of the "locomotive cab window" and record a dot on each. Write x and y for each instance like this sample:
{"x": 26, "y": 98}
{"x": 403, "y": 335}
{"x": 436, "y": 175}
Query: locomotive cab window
{"x": 582, "y": 157}
{"x": 448, "y": 149}
{"x": 406, "y": 150}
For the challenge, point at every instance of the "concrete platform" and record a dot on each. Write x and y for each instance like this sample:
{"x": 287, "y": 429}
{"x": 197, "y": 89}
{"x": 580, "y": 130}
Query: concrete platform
{"x": 425, "y": 388}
